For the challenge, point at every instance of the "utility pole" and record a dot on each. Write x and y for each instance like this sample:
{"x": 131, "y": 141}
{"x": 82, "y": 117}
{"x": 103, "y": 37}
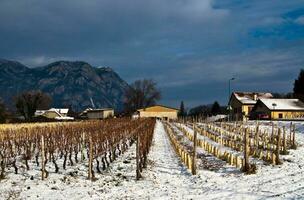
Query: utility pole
{"x": 229, "y": 91}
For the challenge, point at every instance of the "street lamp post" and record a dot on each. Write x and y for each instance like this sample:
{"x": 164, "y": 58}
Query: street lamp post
{"x": 229, "y": 91}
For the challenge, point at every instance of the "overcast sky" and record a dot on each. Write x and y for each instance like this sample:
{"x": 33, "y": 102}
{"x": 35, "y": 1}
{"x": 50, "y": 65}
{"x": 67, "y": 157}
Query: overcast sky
{"x": 190, "y": 47}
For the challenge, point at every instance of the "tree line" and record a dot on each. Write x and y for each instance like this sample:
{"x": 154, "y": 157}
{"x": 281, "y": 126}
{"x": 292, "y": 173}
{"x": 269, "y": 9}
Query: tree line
{"x": 140, "y": 94}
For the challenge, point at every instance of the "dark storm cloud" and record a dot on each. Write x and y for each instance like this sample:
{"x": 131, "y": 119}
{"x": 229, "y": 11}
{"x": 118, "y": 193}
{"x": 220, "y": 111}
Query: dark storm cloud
{"x": 190, "y": 47}
{"x": 68, "y": 26}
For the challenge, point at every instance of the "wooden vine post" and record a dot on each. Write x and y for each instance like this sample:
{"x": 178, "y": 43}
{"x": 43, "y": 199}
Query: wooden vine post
{"x": 278, "y": 148}
{"x": 137, "y": 158}
{"x": 2, "y": 166}
{"x": 90, "y": 175}
{"x": 42, "y": 158}
{"x": 294, "y": 137}
{"x": 221, "y": 131}
{"x": 257, "y": 135}
{"x": 272, "y": 132}
{"x": 284, "y": 141}
{"x": 194, "y": 151}
{"x": 246, "y": 151}
{"x": 83, "y": 146}
{"x": 290, "y": 133}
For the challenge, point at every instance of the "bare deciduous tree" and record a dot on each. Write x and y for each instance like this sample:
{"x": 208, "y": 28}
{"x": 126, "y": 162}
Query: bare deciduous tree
{"x": 141, "y": 94}
{"x": 29, "y": 101}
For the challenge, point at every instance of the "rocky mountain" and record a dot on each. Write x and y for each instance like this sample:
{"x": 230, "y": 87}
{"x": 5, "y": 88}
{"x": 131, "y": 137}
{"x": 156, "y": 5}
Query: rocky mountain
{"x": 75, "y": 84}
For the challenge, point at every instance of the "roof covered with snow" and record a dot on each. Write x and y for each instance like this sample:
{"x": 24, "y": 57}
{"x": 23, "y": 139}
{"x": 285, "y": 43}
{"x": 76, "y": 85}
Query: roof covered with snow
{"x": 216, "y": 118}
{"x": 60, "y": 110}
{"x": 283, "y": 104}
{"x": 251, "y": 97}
{"x": 39, "y": 112}
{"x": 64, "y": 118}
{"x": 100, "y": 110}
{"x": 89, "y": 110}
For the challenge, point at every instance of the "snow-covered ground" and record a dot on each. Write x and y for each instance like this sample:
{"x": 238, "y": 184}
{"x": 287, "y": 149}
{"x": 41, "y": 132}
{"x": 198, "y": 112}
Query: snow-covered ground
{"x": 165, "y": 178}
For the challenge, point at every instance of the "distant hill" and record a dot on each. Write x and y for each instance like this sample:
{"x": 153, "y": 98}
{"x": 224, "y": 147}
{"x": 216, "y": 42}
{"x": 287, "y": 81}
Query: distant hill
{"x": 68, "y": 83}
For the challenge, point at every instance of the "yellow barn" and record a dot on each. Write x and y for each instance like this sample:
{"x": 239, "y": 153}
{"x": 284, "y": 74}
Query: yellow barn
{"x": 282, "y": 109}
{"x": 158, "y": 111}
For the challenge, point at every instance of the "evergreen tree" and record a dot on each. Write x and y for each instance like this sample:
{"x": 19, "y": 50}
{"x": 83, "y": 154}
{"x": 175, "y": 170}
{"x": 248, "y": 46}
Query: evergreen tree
{"x": 202, "y": 110}
{"x": 216, "y": 108}
{"x": 71, "y": 112}
{"x": 182, "y": 111}
{"x": 298, "y": 88}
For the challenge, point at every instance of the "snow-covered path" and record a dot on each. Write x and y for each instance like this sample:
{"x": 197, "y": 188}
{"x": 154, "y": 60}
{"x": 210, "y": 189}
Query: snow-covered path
{"x": 170, "y": 180}
{"x": 165, "y": 177}
{"x": 170, "y": 177}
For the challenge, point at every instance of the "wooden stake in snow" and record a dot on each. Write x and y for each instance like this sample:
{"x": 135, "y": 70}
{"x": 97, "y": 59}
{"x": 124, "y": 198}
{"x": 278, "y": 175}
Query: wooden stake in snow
{"x": 278, "y": 148}
{"x": 83, "y": 146}
{"x": 272, "y": 132}
{"x": 257, "y": 135}
{"x": 294, "y": 136}
{"x": 246, "y": 151}
{"x": 194, "y": 151}
{"x": 42, "y": 158}
{"x": 137, "y": 158}
{"x": 290, "y": 133}
{"x": 2, "y": 167}
{"x": 284, "y": 140}
{"x": 221, "y": 134}
{"x": 90, "y": 176}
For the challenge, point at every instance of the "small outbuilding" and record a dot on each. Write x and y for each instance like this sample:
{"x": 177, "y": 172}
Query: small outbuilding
{"x": 100, "y": 113}
{"x": 158, "y": 111}
{"x": 278, "y": 109}
{"x": 84, "y": 113}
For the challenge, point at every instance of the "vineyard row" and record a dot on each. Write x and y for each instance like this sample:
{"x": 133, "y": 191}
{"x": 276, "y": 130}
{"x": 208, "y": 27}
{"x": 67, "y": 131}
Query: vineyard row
{"x": 237, "y": 145}
{"x": 97, "y": 142}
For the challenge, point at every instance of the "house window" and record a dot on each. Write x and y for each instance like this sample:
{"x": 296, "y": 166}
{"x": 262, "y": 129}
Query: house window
{"x": 249, "y": 110}
{"x": 280, "y": 115}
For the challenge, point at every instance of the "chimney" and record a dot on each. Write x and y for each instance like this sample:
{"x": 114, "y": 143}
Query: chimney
{"x": 255, "y": 96}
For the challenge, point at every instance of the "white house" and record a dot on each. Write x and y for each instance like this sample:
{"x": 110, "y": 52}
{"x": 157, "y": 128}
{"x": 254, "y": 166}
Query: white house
{"x": 55, "y": 113}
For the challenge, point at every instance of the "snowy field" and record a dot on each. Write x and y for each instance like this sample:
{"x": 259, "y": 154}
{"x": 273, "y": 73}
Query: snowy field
{"x": 165, "y": 178}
